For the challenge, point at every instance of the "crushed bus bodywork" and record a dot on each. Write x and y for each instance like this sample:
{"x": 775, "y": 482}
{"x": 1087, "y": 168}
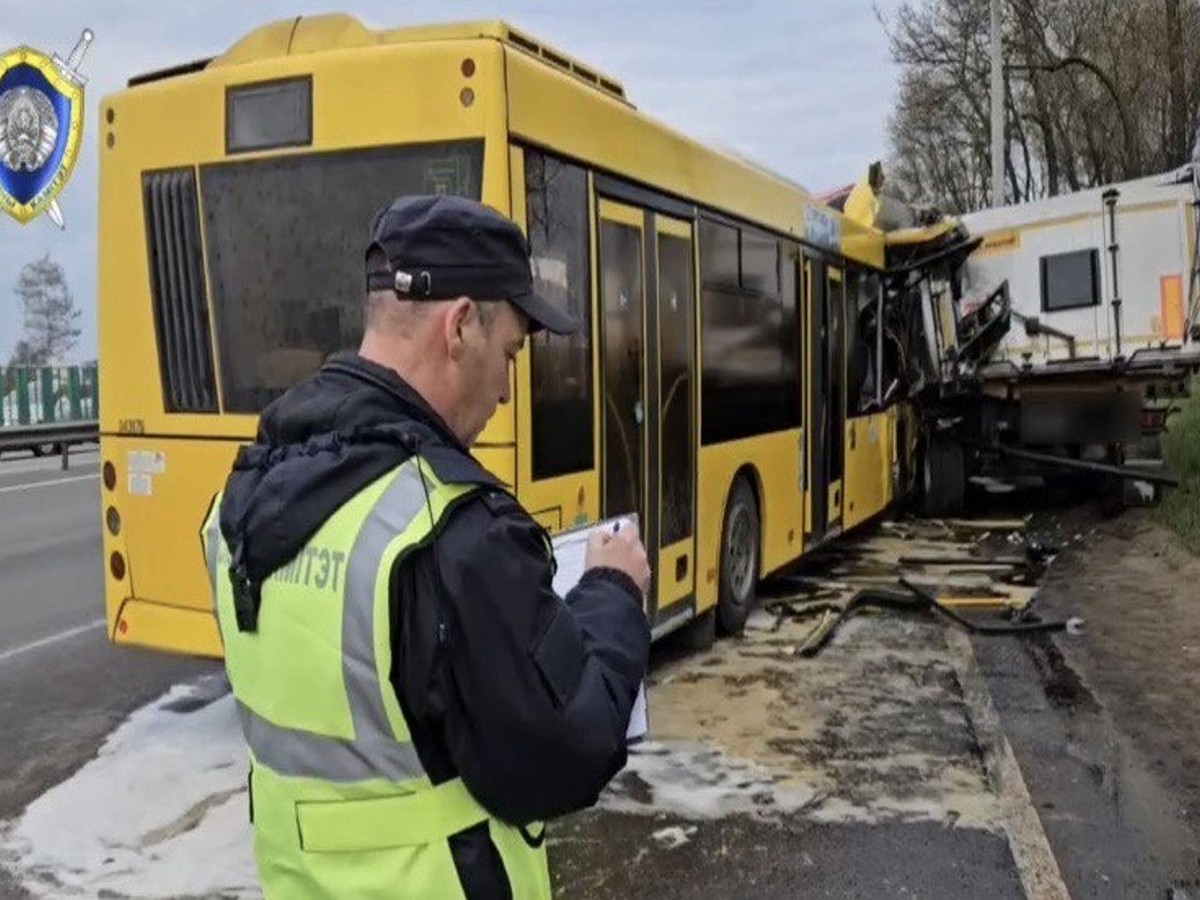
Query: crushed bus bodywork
{"x": 1043, "y": 342}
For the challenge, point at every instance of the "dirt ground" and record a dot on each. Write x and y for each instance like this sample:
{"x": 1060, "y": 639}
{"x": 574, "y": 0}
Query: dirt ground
{"x": 863, "y": 772}
{"x": 1139, "y": 590}
{"x": 856, "y": 773}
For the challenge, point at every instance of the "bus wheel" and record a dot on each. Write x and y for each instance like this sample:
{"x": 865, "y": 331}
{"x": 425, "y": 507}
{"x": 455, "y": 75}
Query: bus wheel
{"x": 943, "y": 477}
{"x": 739, "y": 559}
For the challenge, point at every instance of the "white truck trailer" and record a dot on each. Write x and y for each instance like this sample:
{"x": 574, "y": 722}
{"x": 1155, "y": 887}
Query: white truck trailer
{"x": 1097, "y": 274}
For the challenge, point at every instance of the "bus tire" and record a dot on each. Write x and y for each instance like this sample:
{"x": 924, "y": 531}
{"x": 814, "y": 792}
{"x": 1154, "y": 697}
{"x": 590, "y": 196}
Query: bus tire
{"x": 738, "y": 580}
{"x": 943, "y": 477}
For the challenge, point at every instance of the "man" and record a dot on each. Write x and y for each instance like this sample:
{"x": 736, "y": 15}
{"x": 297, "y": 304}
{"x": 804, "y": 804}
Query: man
{"x": 416, "y": 698}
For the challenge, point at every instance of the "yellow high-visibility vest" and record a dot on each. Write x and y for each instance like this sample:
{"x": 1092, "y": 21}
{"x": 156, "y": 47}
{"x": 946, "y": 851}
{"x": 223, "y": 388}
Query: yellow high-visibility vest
{"x": 341, "y": 806}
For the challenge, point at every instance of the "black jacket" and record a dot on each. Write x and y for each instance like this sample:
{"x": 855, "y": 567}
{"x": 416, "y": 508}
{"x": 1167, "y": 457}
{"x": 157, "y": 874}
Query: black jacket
{"x": 523, "y": 694}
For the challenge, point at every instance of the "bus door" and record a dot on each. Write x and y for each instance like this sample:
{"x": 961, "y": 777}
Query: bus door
{"x": 834, "y": 359}
{"x": 826, "y": 403}
{"x": 647, "y": 353}
{"x": 675, "y": 325}
{"x": 815, "y": 496}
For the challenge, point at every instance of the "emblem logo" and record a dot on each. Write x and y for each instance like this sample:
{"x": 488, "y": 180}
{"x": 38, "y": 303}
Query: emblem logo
{"x": 41, "y": 128}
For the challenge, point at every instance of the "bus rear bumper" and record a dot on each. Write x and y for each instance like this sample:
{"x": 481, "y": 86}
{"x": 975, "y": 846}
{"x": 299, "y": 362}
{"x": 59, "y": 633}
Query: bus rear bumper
{"x": 174, "y": 629}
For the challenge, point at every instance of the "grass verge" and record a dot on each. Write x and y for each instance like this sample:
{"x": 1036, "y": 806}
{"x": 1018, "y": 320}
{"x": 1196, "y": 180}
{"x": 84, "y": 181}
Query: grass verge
{"x": 1180, "y": 508}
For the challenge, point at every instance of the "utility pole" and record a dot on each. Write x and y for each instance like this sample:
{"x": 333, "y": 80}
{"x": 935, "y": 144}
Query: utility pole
{"x": 997, "y": 109}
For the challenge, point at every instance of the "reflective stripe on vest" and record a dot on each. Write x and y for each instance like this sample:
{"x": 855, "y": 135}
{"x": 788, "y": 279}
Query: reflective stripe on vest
{"x": 302, "y": 754}
{"x": 405, "y": 498}
{"x": 374, "y": 751}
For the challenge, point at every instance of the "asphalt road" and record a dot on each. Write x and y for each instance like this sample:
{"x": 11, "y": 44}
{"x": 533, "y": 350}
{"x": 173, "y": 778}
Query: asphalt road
{"x": 63, "y": 686}
{"x": 50, "y": 550}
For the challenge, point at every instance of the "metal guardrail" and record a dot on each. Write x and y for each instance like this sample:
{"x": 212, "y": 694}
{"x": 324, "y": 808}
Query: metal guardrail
{"x": 48, "y": 409}
{"x": 57, "y": 437}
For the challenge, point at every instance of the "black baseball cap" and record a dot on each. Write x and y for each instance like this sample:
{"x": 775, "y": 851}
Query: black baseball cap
{"x": 443, "y": 247}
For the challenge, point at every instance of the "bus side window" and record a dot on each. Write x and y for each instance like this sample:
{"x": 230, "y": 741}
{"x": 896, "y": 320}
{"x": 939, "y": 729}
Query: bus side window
{"x": 556, "y": 204}
{"x": 861, "y": 341}
{"x": 749, "y": 385}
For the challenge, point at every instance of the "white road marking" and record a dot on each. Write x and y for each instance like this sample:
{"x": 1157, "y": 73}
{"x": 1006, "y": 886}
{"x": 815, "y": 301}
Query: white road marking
{"x": 47, "y": 483}
{"x": 52, "y": 639}
{"x": 20, "y": 465}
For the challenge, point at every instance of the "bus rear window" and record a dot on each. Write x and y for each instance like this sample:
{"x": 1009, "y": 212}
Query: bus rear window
{"x": 285, "y": 240}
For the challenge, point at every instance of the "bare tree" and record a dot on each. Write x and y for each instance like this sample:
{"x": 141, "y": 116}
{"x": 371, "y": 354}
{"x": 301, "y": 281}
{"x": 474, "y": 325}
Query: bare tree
{"x": 1095, "y": 91}
{"x": 24, "y": 355}
{"x": 51, "y": 319}
{"x": 1178, "y": 88}
{"x": 939, "y": 128}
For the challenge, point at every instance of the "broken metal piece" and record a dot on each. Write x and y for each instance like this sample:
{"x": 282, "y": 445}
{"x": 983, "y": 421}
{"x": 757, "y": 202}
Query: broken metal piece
{"x": 972, "y": 561}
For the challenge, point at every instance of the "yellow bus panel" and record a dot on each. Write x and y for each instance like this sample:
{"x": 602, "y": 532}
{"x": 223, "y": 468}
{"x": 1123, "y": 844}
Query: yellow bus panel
{"x": 478, "y": 81}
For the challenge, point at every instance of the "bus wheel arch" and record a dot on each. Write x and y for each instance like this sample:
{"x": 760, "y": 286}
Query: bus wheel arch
{"x": 741, "y": 552}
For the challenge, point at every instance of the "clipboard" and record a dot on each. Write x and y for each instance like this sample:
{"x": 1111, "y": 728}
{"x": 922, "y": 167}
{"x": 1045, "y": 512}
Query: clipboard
{"x": 570, "y": 550}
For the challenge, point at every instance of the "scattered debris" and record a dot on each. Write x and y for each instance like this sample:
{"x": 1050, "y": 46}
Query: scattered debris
{"x": 674, "y": 836}
{"x": 943, "y": 566}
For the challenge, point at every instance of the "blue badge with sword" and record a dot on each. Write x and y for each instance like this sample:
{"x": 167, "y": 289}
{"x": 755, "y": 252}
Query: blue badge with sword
{"x": 41, "y": 128}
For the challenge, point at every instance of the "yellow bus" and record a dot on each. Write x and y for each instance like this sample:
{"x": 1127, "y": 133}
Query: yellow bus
{"x": 725, "y": 386}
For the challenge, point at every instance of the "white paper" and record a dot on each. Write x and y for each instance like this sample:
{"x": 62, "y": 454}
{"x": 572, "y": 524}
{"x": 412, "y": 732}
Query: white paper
{"x": 639, "y": 722}
{"x": 570, "y": 550}
{"x": 148, "y": 462}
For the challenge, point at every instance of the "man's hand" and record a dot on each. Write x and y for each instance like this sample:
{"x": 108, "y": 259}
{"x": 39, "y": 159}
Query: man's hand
{"x": 621, "y": 550}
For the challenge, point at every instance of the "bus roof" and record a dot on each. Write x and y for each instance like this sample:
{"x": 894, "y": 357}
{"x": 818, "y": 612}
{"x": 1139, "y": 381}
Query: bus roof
{"x": 334, "y": 31}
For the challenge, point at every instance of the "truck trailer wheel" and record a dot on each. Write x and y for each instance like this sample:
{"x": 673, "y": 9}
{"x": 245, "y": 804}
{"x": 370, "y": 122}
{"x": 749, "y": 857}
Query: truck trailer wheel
{"x": 739, "y": 558}
{"x": 943, "y": 477}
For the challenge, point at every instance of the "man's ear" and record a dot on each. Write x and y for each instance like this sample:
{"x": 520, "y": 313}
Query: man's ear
{"x": 456, "y": 322}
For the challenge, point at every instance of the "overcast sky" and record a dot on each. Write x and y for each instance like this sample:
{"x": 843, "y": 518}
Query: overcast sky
{"x": 803, "y": 86}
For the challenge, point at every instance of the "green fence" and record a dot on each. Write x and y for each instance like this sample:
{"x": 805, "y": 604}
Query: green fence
{"x": 35, "y": 395}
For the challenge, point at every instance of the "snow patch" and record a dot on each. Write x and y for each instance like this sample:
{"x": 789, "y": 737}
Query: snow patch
{"x": 698, "y": 781}
{"x": 160, "y": 812}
